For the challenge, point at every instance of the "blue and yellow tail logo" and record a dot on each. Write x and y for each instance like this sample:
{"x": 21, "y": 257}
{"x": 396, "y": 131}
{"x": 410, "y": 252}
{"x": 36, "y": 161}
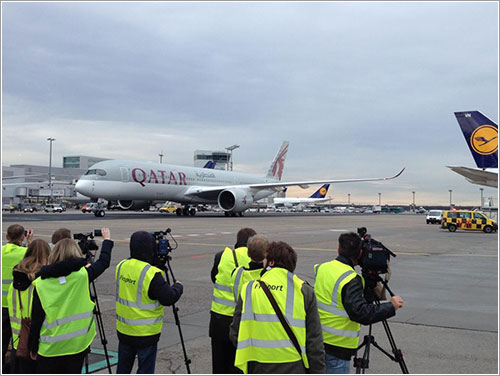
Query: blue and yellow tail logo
{"x": 321, "y": 192}
{"x": 484, "y": 140}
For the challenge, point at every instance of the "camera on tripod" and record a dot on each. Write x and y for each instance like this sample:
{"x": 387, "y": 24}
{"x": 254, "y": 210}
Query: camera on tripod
{"x": 375, "y": 258}
{"x": 87, "y": 243}
{"x": 162, "y": 247}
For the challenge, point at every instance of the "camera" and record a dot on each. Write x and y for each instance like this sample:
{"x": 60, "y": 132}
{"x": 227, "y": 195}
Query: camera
{"x": 375, "y": 257}
{"x": 86, "y": 243}
{"x": 162, "y": 247}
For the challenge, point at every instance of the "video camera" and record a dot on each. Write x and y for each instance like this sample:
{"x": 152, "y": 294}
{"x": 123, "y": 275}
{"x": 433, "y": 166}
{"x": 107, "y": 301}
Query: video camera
{"x": 375, "y": 258}
{"x": 163, "y": 247}
{"x": 87, "y": 243}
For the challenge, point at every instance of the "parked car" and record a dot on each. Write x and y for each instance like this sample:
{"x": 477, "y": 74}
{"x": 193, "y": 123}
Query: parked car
{"x": 30, "y": 209}
{"x": 434, "y": 216}
{"x": 53, "y": 208}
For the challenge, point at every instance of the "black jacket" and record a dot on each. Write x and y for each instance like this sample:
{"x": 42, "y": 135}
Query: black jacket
{"x": 359, "y": 310}
{"x": 62, "y": 269}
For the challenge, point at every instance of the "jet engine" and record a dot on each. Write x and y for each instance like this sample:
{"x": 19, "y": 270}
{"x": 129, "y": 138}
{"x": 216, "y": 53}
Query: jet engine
{"x": 133, "y": 205}
{"x": 235, "y": 200}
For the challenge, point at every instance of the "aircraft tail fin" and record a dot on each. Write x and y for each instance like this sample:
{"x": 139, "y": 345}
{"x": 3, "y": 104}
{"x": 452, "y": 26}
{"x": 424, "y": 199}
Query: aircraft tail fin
{"x": 276, "y": 168}
{"x": 209, "y": 164}
{"x": 481, "y": 134}
{"x": 321, "y": 192}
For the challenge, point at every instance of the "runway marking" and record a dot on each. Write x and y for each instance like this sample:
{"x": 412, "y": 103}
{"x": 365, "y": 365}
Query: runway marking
{"x": 193, "y": 235}
{"x": 338, "y": 230}
{"x": 202, "y": 255}
{"x": 468, "y": 255}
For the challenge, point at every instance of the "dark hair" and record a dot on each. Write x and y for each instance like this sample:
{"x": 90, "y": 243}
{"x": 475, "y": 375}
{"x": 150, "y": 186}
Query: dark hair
{"x": 244, "y": 234}
{"x": 350, "y": 245}
{"x": 283, "y": 256}
{"x": 15, "y": 233}
{"x": 257, "y": 248}
{"x": 62, "y": 233}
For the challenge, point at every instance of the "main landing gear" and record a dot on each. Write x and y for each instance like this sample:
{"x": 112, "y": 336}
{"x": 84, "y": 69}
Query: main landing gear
{"x": 233, "y": 214}
{"x": 186, "y": 210}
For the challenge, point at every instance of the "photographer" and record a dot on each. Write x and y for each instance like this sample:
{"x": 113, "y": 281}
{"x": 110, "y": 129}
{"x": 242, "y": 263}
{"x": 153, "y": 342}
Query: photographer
{"x": 141, "y": 294}
{"x": 12, "y": 253}
{"x": 342, "y": 305}
{"x": 62, "y": 292}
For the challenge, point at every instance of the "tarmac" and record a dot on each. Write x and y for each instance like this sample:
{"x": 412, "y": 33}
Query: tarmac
{"x": 449, "y": 282}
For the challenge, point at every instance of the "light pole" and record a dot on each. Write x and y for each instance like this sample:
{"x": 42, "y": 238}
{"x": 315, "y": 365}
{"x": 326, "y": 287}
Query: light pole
{"x": 482, "y": 199}
{"x": 50, "y": 139}
{"x": 451, "y": 191}
{"x": 348, "y": 199}
{"x": 161, "y": 156}
{"x": 379, "y": 198}
{"x": 230, "y": 150}
{"x": 413, "y": 200}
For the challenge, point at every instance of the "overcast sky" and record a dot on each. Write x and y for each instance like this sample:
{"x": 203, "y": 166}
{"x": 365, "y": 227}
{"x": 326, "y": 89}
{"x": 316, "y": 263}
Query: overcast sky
{"x": 360, "y": 89}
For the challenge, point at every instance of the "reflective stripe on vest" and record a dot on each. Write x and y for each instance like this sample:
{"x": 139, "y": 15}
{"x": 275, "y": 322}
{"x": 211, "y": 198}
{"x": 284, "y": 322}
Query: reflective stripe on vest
{"x": 16, "y": 314}
{"x": 136, "y": 314}
{"x": 338, "y": 329}
{"x": 261, "y": 336}
{"x": 12, "y": 254}
{"x": 223, "y": 300}
{"x": 69, "y": 326}
{"x": 242, "y": 275}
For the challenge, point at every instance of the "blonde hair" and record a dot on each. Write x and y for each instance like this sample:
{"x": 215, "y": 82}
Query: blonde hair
{"x": 37, "y": 255}
{"x": 257, "y": 247}
{"x": 64, "y": 250}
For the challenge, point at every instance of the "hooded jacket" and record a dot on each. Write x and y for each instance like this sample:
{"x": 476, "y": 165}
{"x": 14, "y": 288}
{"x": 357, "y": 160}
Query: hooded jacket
{"x": 142, "y": 247}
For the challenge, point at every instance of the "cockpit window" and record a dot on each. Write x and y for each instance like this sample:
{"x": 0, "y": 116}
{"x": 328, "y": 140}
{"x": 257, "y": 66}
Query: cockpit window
{"x": 98, "y": 171}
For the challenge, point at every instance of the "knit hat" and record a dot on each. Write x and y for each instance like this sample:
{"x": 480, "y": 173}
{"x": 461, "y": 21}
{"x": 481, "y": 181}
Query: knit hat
{"x": 142, "y": 246}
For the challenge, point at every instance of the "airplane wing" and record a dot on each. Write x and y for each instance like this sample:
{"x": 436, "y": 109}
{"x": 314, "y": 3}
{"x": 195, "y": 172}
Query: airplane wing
{"x": 213, "y": 192}
{"x": 476, "y": 176}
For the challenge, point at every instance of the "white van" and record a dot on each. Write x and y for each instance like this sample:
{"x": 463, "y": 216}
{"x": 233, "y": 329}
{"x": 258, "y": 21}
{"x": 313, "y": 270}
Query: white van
{"x": 53, "y": 208}
{"x": 434, "y": 216}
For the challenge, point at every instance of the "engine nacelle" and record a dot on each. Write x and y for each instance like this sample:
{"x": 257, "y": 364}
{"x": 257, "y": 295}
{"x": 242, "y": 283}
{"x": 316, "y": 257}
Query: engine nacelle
{"x": 133, "y": 205}
{"x": 235, "y": 200}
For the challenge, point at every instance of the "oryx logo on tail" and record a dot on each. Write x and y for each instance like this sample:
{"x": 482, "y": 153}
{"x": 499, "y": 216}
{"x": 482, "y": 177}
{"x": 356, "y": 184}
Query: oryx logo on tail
{"x": 276, "y": 169}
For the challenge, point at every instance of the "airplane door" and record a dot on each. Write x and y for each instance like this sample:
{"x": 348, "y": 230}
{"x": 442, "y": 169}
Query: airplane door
{"x": 124, "y": 171}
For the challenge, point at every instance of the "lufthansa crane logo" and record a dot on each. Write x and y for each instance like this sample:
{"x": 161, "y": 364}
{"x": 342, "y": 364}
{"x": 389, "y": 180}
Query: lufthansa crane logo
{"x": 484, "y": 140}
{"x": 323, "y": 191}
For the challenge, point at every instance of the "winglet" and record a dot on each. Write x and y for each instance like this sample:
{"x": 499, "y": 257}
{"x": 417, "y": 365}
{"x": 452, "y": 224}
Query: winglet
{"x": 397, "y": 175}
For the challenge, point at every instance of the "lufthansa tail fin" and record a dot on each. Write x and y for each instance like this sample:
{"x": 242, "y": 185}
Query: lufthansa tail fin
{"x": 276, "y": 168}
{"x": 321, "y": 193}
{"x": 481, "y": 134}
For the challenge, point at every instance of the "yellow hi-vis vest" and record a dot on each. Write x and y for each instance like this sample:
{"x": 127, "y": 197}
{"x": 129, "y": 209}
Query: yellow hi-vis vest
{"x": 12, "y": 254}
{"x": 223, "y": 298}
{"x": 69, "y": 326}
{"x": 240, "y": 276}
{"x": 136, "y": 314}
{"x": 16, "y": 314}
{"x": 338, "y": 329}
{"x": 261, "y": 337}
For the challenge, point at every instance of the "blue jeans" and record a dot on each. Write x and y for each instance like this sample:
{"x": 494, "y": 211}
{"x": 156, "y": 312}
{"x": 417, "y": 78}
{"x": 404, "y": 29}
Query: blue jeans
{"x": 126, "y": 357}
{"x": 336, "y": 365}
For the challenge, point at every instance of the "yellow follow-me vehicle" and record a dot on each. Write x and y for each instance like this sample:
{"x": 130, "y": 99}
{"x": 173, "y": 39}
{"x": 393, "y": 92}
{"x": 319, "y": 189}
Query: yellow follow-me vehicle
{"x": 467, "y": 220}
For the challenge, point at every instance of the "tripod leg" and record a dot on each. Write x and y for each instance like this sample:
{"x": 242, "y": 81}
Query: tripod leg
{"x": 100, "y": 326}
{"x": 398, "y": 354}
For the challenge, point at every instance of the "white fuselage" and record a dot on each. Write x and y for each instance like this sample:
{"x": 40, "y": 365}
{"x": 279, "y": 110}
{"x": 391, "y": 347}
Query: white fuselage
{"x": 292, "y": 201}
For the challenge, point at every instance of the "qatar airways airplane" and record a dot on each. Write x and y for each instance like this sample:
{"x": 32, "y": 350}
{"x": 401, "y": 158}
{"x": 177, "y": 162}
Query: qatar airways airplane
{"x": 137, "y": 185}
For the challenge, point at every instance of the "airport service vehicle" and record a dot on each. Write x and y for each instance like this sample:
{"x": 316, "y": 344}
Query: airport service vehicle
{"x": 481, "y": 135}
{"x": 434, "y": 216}
{"x": 468, "y": 220}
{"x": 135, "y": 185}
{"x": 89, "y": 207}
{"x": 53, "y": 208}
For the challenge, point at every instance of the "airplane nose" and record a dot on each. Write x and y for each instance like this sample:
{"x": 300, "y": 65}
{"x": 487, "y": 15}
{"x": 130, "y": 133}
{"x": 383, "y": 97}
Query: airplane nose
{"x": 84, "y": 187}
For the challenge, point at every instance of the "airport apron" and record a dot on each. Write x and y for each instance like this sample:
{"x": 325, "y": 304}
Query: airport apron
{"x": 338, "y": 329}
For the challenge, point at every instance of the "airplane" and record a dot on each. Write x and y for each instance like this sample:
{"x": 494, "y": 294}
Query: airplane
{"x": 136, "y": 184}
{"x": 316, "y": 197}
{"x": 210, "y": 165}
{"x": 481, "y": 134}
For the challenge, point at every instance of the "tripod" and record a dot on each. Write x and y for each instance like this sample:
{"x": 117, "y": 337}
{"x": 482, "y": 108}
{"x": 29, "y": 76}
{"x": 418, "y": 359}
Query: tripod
{"x": 100, "y": 325}
{"x": 362, "y": 363}
{"x": 175, "y": 310}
